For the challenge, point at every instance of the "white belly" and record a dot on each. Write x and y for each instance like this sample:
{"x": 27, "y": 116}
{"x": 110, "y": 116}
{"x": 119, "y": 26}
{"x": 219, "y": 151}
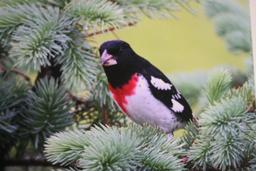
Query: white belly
{"x": 142, "y": 107}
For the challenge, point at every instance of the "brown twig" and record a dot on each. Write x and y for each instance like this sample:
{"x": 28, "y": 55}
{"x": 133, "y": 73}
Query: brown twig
{"x": 16, "y": 71}
{"x": 20, "y": 73}
{"x": 111, "y": 29}
{"x": 105, "y": 116}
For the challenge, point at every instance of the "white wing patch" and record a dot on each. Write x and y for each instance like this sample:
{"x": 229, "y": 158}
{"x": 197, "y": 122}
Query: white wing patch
{"x": 160, "y": 84}
{"x": 176, "y": 106}
{"x": 176, "y": 96}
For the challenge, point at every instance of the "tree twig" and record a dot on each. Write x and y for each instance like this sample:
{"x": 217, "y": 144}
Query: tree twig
{"x": 105, "y": 116}
{"x": 16, "y": 71}
{"x": 20, "y": 73}
{"x": 111, "y": 29}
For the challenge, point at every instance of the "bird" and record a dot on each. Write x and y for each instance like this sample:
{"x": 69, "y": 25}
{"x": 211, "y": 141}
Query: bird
{"x": 141, "y": 90}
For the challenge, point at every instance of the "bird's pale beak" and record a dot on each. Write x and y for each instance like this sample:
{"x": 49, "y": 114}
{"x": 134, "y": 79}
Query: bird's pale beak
{"x": 107, "y": 59}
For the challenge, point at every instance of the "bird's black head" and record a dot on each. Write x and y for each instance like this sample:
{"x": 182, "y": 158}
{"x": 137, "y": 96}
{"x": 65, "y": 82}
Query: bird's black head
{"x": 115, "y": 52}
{"x": 119, "y": 61}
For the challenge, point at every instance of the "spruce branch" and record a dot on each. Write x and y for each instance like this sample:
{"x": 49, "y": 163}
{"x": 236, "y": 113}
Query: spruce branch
{"x": 191, "y": 134}
{"x": 225, "y": 132}
{"x": 110, "y": 29}
{"x": 245, "y": 92}
{"x": 160, "y": 153}
{"x": 199, "y": 153}
{"x": 22, "y": 74}
{"x": 13, "y": 92}
{"x": 58, "y": 3}
{"x": 65, "y": 148}
{"x": 157, "y": 160}
{"x": 78, "y": 66}
{"x": 97, "y": 13}
{"x": 223, "y": 117}
{"x": 16, "y": 71}
{"x": 118, "y": 150}
{"x": 153, "y": 8}
{"x": 14, "y": 16}
{"x": 227, "y": 152}
{"x": 218, "y": 84}
{"x": 232, "y": 23}
{"x": 42, "y": 37}
{"x": 238, "y": 41}
{"x": 47, "y": 111}
{"x": 103, "y": 16}
{"x": 253, "y": 163}
{"x": 112, "y": 148}
{"x": 215, "y": 7}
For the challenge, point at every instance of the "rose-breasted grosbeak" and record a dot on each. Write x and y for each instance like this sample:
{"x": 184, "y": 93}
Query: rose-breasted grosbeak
{"x": 141, "y": 90}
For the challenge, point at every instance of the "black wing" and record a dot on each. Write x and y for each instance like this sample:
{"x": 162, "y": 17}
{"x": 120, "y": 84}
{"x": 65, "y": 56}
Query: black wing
{"x": 167, "y": 94}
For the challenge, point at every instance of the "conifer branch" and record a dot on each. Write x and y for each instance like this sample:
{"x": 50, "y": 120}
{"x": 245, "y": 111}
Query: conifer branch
{"x": 22, "y": 74}
{"x": 47, "y": 111}
{"x": 112, "y": 148}
{"x": 218, "y": 84}
{"x": 16, "y": 71}
{"x": 232, "y": 23}
{"x": 110, "y": 29}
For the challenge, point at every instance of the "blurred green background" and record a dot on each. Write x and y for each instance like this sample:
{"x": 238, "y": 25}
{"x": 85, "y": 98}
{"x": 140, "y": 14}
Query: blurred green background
{"x": 187, "y": 43}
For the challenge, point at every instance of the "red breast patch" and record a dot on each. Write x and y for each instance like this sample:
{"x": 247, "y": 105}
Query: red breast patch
{"x": 120, "y": 94}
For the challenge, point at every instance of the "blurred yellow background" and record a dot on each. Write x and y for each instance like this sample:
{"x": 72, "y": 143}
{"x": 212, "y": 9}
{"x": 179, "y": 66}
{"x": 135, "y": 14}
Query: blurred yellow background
{"x": 187, "y": 43}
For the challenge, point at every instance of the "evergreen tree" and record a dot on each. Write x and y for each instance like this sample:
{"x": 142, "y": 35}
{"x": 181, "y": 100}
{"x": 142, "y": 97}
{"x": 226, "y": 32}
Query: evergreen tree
{"x": 49, "y": 40}
{"x": 223, "y": 138}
